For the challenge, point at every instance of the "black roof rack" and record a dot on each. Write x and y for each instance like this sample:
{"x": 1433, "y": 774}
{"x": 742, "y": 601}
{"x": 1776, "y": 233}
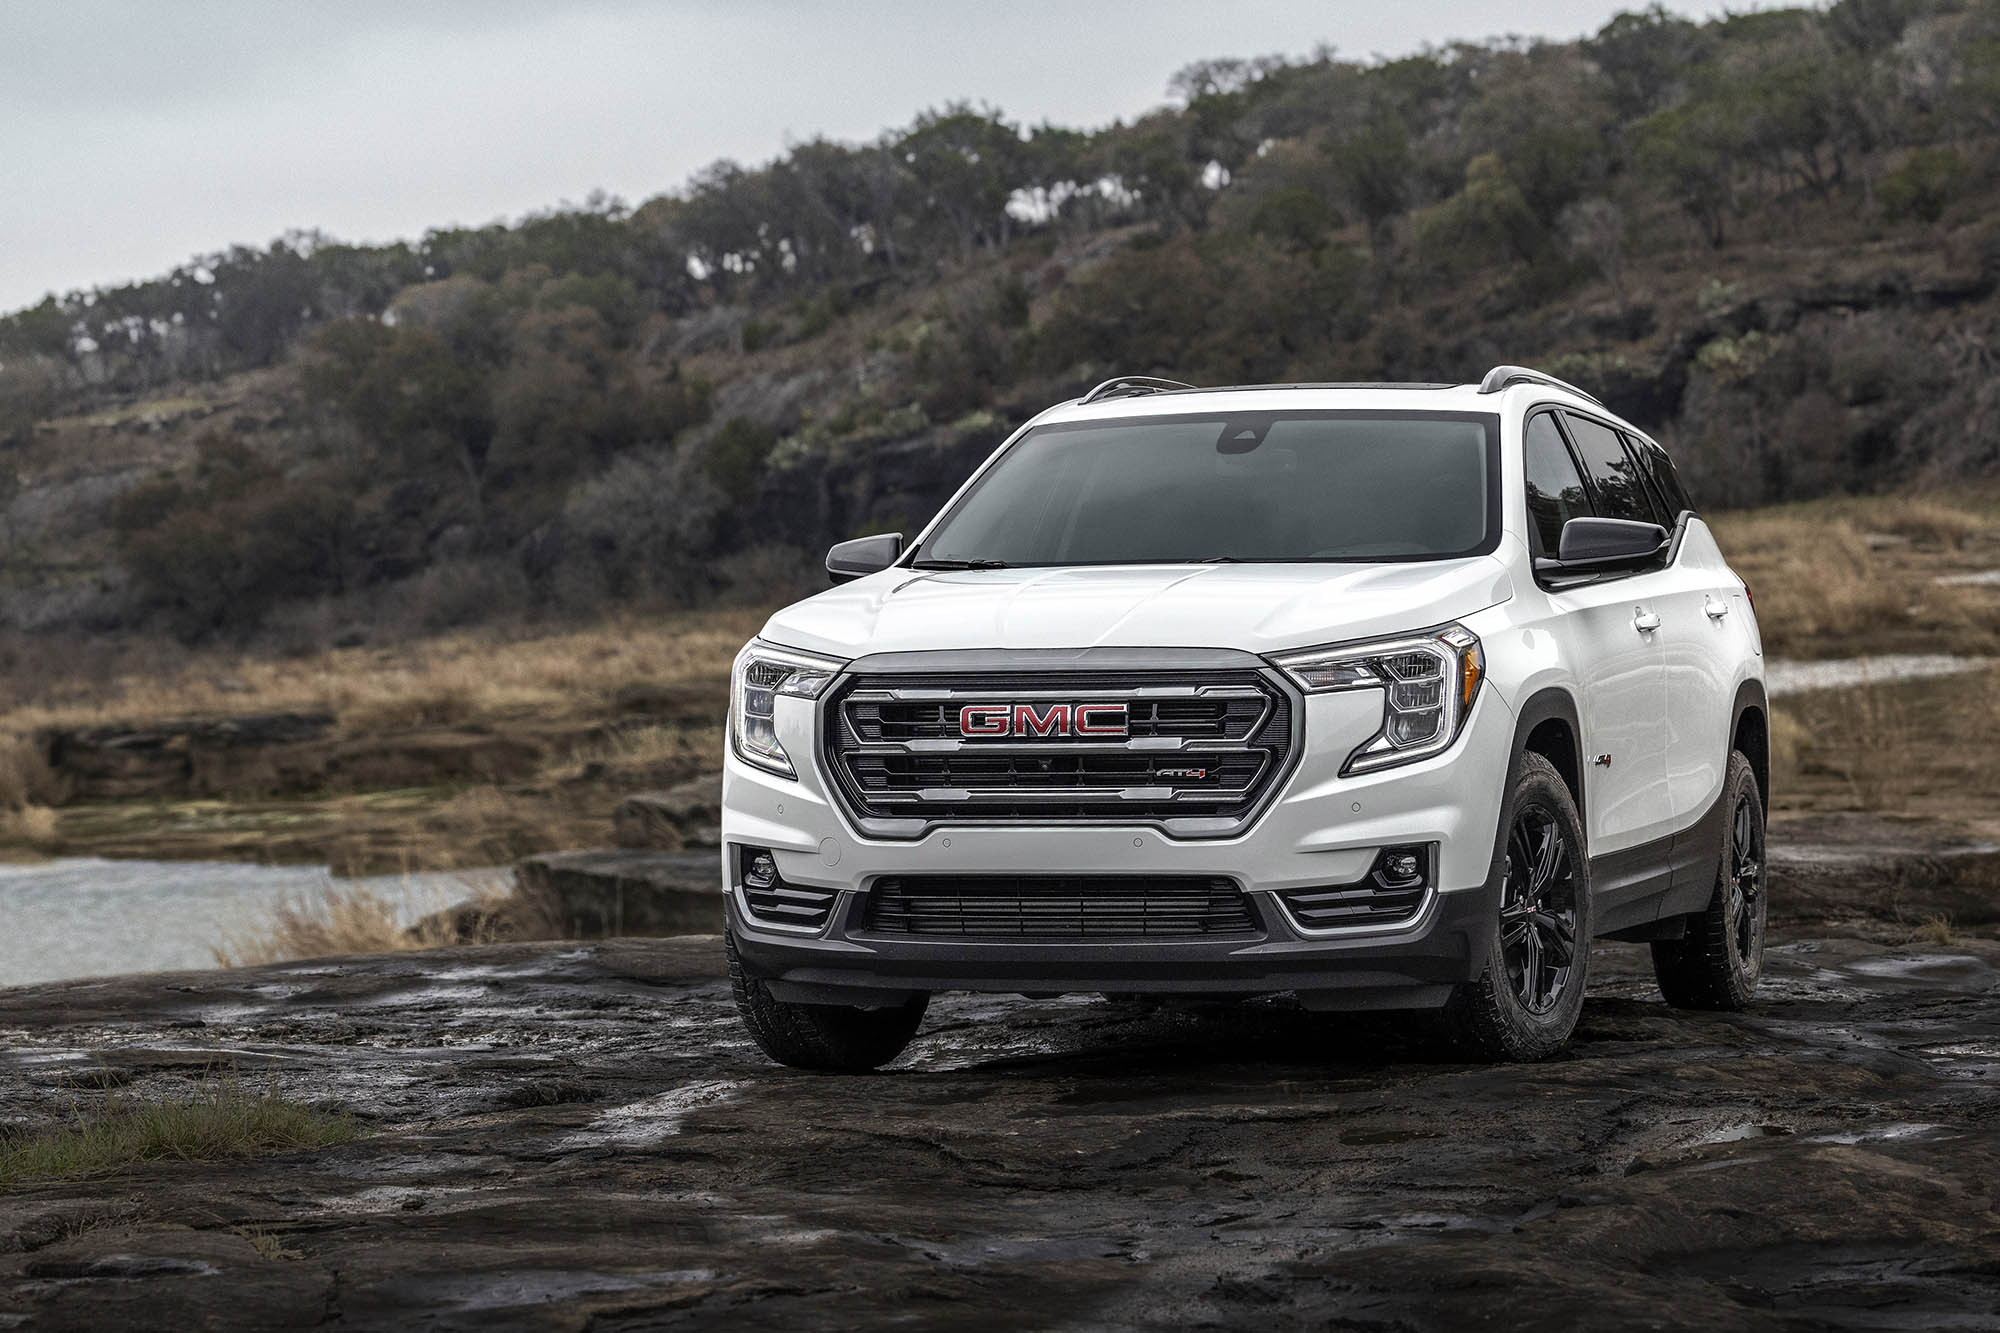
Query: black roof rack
{"x": 1502, "y": 377}
{"x": 1128, "y": 386}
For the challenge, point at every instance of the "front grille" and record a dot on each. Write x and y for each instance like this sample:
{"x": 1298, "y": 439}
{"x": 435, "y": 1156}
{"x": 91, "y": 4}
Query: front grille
{"x": 1200, "y": 750}
{"x": 1059, "y": 907}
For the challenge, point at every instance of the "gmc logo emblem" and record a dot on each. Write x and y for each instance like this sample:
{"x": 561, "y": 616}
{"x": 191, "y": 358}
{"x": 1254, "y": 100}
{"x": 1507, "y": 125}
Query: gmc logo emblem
{"x": 1049, "y": 720}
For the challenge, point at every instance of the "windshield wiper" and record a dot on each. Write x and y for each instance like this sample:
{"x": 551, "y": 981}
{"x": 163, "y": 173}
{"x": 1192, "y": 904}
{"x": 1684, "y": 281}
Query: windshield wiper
{"x": 959, "y": 564}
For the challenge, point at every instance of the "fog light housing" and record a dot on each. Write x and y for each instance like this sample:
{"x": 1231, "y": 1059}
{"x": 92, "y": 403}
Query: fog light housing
{"x": 1402, "y": 867}
{"x": 760, "y": 871}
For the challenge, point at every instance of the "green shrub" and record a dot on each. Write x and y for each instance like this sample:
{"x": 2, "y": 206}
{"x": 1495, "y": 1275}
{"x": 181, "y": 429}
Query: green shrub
{"x": 1924, "y": 185}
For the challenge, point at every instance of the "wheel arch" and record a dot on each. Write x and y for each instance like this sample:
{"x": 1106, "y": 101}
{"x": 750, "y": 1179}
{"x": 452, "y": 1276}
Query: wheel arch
{"x": 1549, "y": 725}
{"x": 1750, "y": 732}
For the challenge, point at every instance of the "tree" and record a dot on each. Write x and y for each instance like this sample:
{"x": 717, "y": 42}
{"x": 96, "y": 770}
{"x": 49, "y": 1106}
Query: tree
{"x": 1689, "y": 153}
{"x": 1596, "y": 228}
{"x": 1646, "y": 57}
{"x": 963, "y": 165}
{"x": 1372, "y": 167}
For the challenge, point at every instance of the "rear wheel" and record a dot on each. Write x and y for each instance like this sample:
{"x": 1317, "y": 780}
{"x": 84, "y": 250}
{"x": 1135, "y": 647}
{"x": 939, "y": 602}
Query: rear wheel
{"x": 1537, "y": 949}
{"x": 821, "y": 1036}
{"x": 1716, "y": 965}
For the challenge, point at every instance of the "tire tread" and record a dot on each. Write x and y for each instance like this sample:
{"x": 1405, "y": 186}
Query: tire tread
{"x": 827, "y": 1037}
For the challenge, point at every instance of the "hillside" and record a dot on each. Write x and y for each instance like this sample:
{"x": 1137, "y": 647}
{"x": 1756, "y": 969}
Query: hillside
{"x": 1771, "y": 239}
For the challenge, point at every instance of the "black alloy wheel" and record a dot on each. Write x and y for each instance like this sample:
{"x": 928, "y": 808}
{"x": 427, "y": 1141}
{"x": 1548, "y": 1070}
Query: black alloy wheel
{"x": 1538, "y": 909}
{"x": 1743, "y": 899}
{"x": 1533, "y": 961}
{"x": 1719, "y": 958}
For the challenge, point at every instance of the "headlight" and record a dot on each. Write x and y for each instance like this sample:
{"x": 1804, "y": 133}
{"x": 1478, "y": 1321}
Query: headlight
{"x": 1428, "y": 682}
{"x": 762, "y": 673}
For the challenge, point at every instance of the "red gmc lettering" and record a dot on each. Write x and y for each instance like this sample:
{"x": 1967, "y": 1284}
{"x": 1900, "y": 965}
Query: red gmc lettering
{"x": 1101, "y": 720}
{"x": 1055, "y": 722}
{"x": 1021, "y": 719}
{"x": 984, "y": 720}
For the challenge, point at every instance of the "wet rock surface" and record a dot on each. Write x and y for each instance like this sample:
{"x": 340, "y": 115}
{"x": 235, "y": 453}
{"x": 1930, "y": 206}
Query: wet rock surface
{"x": 576, "y": 1135}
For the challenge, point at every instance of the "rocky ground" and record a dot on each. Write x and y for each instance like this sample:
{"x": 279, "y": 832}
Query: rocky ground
{"x": 579, "y": 1135}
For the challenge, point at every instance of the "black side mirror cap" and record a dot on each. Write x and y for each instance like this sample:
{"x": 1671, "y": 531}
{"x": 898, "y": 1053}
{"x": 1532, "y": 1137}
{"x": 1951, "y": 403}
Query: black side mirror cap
{"x": 1606, "y": 546}
{"x": 855, "y": 559}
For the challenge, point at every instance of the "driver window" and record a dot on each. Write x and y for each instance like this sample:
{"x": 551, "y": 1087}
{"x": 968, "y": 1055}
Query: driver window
{"x": 1555, "y": 489}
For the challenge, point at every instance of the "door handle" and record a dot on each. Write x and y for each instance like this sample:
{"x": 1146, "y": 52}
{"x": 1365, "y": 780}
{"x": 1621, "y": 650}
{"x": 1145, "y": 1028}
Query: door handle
{"x": 1716, "y": 610}
{"x": 1645, "y": 622}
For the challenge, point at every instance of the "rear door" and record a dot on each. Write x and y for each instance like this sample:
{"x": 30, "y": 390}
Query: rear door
{"x": 1704, "y": 632}
{"x": 1618, "y": 661}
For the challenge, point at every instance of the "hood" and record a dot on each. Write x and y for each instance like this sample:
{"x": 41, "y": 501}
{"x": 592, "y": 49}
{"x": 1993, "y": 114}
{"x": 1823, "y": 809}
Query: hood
{"x": 1257, "y": 608}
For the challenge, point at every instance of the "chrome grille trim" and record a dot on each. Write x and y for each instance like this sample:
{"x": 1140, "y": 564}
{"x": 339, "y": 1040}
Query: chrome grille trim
{"x": 899, "y": 768}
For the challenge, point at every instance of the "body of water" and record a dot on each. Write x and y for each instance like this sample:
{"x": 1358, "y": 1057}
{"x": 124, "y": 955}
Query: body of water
{"x": 86, "y": 918}
{"x": 1783, "y": 677}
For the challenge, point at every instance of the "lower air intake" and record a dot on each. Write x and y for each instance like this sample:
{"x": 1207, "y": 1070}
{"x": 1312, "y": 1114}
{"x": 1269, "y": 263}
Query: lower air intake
{"x": 1065, "y": 907}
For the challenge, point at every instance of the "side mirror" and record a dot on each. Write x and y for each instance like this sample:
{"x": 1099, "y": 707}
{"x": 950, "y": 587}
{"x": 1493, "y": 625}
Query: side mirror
{"x": 863, "y": 556}
{"x": 1606, "y": 546}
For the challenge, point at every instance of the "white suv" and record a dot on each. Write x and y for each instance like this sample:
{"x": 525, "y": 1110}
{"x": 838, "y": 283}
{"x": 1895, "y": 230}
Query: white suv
{"x": 1392, "y": 696}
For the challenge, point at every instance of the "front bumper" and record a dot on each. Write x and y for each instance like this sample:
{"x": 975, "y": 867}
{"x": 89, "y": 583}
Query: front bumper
{"x": 1413, "y": 968}
{"x": 1321, "y": 829}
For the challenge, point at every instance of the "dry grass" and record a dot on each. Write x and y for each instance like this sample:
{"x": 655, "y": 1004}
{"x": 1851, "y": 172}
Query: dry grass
{"x": 1934, "y": 929}
{"x": 1919, "y": 747}
{"x": 33, "y": 826}
{"x": 25, "y": 776}
{"x": 448, "y": 680}
{"x": 354, "y": 920}
{"x": 217, "y": 1123}
{"x": 1857, "y": 575}
{"x": 653, "y": 746}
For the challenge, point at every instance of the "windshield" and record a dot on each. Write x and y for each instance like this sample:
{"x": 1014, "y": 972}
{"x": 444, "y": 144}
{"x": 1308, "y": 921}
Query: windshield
{"x": 1263, "y": 486}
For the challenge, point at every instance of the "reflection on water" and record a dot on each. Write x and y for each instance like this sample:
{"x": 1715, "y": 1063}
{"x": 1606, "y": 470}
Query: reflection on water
{"x": 87, "y": 918}
{"x": 1782, "y": 677}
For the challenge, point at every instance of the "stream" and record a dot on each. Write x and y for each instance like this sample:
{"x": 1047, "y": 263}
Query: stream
{"x": 85, "y": 917}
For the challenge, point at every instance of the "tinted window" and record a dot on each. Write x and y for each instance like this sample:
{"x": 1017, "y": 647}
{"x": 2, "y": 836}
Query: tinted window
{"x": 1614, "y": 477}
{"x": 1555, "y": 491}
{"x": 1255, "y": 486}
{"x": 1660, "y": 471}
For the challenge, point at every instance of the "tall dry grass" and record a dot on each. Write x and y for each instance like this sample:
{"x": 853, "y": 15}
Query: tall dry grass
{"x": 1827, "y": 585}
{"x": 454, "y": 678}
{"x": 347, "y": 920}
{"x": 27, "y": 789}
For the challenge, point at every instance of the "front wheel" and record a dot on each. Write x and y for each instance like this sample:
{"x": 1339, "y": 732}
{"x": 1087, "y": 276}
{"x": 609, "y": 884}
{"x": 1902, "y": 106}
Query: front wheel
{"x": 833, "y": 1037}
{"x": 1536, "y": 949}
{"x": 1716, "y": 965}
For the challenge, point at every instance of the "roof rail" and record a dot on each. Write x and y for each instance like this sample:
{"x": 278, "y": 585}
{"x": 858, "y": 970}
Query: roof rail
{"x": 1127, "y": 386}
{"x": 1501, "y": 377}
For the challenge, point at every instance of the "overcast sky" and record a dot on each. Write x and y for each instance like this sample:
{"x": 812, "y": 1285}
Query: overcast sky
{"x": 137, "y": 133}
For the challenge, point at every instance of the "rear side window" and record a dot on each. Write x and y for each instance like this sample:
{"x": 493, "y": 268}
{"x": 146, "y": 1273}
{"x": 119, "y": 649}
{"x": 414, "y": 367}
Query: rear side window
{"x": 1555, "y": 491}
{"x": 1615, "y": 482}
{"x": 1660, "y": 471}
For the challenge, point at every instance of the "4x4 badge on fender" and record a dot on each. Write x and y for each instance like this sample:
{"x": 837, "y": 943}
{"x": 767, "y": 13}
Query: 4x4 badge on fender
{"x": 1024, "y": 719}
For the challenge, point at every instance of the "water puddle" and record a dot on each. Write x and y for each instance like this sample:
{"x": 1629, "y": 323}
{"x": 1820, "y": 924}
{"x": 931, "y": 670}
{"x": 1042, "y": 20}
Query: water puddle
{"x": 1783, "y": 677}
{"x": 638, "y": 1124}
{"x": 514, "y": 1290}
{"x": 1886, "y": 1134}
{"x": 1742, "y": 1132}
{"x": 1978, "y": 578}
{"x": 1950, "y": 971}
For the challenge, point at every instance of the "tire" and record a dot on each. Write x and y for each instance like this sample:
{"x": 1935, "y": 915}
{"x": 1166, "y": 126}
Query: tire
{"x": 1536, "y": 952}
{"x": 832, "y": 1037}
{"x": 1716, "y": 965}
